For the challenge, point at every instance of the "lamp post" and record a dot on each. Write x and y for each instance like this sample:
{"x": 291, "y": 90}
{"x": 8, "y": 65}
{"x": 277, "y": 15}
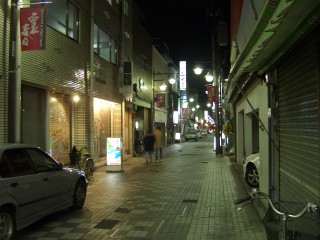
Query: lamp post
{"x": 163, "y": 88}
{"x": 211, "y": 77}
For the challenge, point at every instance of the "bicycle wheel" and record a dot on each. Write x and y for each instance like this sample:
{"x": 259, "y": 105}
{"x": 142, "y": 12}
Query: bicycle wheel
{"x": 89, "y": 169}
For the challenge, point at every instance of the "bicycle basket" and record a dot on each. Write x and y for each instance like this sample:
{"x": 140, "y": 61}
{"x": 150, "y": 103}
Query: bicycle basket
{"x": 272, "y": 223}
{"x": 74, "y": 158}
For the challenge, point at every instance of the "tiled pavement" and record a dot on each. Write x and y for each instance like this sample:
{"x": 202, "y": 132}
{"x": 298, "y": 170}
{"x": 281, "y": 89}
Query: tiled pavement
{"x": 187, "y": 196}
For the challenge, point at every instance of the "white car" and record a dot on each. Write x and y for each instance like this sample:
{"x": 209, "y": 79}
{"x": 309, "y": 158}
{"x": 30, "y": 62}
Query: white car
{"x": 34, "y": 185}
{"x": 204, "y": 132}
{"x": 251, "y": 168}
{"x": 191, "y": 134}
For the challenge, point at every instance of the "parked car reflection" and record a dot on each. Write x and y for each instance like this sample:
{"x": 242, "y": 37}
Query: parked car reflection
{"x": 251, "y": 168}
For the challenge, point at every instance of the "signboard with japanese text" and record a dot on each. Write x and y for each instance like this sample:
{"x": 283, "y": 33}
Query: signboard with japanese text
{"x": 184, "y": 112}
{"x": 33, "y": 23}
{"x": 183, "y": 75}
{"x": 114, "y": 154}
{"x": 161, "y": 100}
{"x": 212, "y": 96}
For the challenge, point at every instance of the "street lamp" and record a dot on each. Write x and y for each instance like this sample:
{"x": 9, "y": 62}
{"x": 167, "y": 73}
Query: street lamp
{"x": 197, "y": 70}
{"x": 171, "y": 80}
{"x": 212, "y": 77}
{"x": 209, "y": 76}
{"x": 164, "y": 100}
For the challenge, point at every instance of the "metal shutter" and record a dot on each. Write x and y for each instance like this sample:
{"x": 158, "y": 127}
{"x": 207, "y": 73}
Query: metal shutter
{"x": 298, "y": 75}
{"x": 5, "y": 12}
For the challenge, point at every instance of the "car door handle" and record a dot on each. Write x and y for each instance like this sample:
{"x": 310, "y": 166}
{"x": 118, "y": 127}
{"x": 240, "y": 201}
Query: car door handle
{"x": 15, "y": 184}
{"x": 46, "y": 179}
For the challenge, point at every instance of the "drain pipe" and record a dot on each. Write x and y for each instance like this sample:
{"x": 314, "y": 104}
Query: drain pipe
{"x": 14, "y": 116}
{"x": 273, "y": 149}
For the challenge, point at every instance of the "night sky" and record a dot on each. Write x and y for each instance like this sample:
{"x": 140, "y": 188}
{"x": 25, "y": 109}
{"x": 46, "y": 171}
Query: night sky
{"x": 185, "y": 28}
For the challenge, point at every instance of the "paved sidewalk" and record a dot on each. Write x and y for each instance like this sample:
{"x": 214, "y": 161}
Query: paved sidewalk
{"x": 188, "y": 196}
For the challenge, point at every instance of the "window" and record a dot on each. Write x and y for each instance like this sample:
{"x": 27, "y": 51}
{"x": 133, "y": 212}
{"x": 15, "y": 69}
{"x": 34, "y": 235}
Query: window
{"x": 63, "y": 16}
{"x": 15, "y": 162}
{"x": 113, "y": 51}
{"x": 104, "y": 45}
{"x": 42, "y": 162}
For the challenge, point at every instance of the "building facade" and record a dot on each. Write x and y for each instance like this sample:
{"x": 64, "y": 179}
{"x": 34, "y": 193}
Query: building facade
{"x": 74, "y": 91}
{"x": 273, "y": 88}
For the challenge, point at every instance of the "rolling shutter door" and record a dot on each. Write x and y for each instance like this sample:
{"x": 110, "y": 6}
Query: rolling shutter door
{"x": 298, "y": 75}
{"x": 4, "y": 73}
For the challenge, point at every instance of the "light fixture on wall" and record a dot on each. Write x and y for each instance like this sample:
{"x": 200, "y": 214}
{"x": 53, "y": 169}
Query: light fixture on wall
{"x": 163, "y": 87}
{"x": 142, "y": 85}
{"x": 76, "y": 98}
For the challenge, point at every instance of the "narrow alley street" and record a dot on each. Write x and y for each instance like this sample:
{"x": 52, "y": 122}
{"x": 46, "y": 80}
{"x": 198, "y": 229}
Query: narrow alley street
{"x": 189, "y": 195}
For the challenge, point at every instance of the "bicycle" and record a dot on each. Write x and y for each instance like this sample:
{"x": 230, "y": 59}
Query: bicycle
{"x": 308, "y": 207}
{"x": 138, "y": 147}
{"x": 83, "y": 161}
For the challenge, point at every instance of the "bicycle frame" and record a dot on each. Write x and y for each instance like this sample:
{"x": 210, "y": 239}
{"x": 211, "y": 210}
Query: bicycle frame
{"x": 310, "y": 207}
{"x": 84, "y": 162}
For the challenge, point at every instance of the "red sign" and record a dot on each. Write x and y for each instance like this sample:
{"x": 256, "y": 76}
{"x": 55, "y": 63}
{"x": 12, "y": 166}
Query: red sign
{"x": 161, "y": 103}
{"x": 212, "y": 93}
{"x": 33, "y": 23}
{"x": 184, "y": 112}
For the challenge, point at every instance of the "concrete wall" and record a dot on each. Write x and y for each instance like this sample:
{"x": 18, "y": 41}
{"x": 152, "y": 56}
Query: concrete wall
{"x": 244, "y": 139}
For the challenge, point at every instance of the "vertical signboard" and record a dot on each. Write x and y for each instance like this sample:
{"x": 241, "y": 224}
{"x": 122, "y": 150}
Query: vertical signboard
{"x": 114, "y": 154}
{"x": 212, "y": 93}
{"x": 161, "y": 100}
{"x": 183, "y": 75}
{"x": 33, "y": 28}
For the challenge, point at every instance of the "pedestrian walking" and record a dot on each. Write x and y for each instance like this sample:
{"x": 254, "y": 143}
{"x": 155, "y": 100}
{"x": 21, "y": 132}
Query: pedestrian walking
{"x": 158, "y": 143}
{"x": 148, "y": 142}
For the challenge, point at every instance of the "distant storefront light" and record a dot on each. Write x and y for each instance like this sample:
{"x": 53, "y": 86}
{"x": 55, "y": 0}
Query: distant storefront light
{"x": 76, "y": 98}
{"x": 175, "y": 117}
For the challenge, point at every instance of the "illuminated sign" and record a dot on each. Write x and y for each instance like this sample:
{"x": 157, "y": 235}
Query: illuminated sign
{"x": 114, "y": 154}
{"x": 183, "y": 75}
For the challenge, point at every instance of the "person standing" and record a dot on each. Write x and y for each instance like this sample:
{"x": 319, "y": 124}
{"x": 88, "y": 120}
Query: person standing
{"x": 148, "y": 142}
{"x": 158, "y": 143}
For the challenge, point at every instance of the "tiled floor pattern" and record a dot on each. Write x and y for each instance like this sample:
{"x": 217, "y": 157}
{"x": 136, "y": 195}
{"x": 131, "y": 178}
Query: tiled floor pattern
{"x": 188, "y": 196}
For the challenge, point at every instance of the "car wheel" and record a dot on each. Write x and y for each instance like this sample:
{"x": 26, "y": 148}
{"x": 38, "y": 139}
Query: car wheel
{"x": 252, "y": 176}
{"x": 7, "y": 224}
{"x": 79, "y": 195}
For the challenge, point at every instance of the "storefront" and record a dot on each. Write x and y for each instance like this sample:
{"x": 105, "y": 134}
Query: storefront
{"x": 107, "y": 123}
